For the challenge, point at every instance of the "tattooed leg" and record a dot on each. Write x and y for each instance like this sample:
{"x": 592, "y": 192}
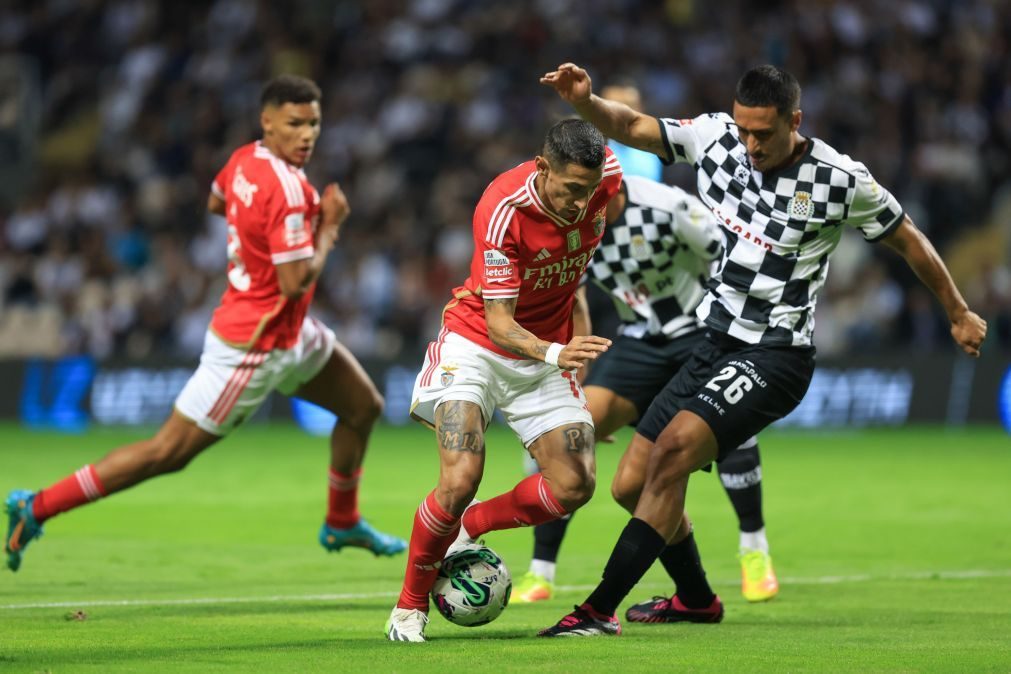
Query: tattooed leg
{"x": 459, "y": 428}
{"x": 566, "y": 458}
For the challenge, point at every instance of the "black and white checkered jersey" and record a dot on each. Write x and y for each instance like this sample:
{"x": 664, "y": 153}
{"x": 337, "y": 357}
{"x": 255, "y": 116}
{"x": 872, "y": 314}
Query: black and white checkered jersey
{"x": 655, "y": 259}
{"x": 780, "y": 226}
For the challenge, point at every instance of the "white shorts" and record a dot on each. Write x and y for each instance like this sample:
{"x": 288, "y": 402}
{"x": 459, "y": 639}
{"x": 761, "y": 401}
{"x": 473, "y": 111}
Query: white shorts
{"x": 533, "y": 396}
{"x": 230, "y": 384}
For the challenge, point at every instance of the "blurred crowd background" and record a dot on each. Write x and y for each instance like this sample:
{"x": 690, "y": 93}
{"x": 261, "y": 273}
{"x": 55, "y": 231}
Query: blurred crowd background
{"x": 116, "y": 115}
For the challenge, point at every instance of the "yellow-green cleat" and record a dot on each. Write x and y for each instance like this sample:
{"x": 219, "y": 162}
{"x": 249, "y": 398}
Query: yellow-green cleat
{"x": 531, "y": 588}
{"x": 758, "y": 579}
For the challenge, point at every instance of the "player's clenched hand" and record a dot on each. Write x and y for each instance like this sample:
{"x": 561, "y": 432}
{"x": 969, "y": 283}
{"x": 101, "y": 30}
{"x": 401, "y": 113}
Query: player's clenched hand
{"x": 334, "y": 208}
{"x": 969, "y": 331}
{"x": 581, "y": 350}
{"x": 570, "y": 81}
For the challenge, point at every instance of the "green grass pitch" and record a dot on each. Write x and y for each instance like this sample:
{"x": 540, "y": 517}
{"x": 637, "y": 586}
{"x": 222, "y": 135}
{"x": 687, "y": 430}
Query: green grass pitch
{"x": 893, "y": 549}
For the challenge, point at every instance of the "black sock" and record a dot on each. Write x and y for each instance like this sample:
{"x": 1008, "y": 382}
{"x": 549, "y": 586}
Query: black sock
{"x": 741, "y": 475}
{"x": 684, "y": 566}
{"x": 548, "y": 538}
{"x": 636, "y": 550}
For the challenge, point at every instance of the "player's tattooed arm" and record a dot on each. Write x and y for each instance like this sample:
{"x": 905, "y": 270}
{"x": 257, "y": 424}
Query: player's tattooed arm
{"x": 459, "y": 426}
{"x": 506, "y": 333}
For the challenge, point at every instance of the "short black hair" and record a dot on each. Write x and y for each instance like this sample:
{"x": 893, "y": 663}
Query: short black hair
{"x": 289, "y": 89}
{"x": 766, "y": 86}
{"x": 573, "y": 141}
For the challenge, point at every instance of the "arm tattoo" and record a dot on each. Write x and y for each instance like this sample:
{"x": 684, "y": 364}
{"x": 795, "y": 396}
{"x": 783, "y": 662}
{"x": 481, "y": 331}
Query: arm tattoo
{"x": 455, "y": 427}
{"x": 525, "y": 343}
{"x": 518, "y": 340}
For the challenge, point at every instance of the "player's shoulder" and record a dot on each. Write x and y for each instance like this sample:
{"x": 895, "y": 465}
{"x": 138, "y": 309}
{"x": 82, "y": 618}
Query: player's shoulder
{"x": 826, "y": 155}
{"x": 244, "y": 151}
{"x": 274, "y": 176}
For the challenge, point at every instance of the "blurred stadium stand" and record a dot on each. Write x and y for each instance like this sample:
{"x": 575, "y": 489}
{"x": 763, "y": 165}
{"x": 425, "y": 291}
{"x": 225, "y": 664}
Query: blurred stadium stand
{"x": 115, "y": 116}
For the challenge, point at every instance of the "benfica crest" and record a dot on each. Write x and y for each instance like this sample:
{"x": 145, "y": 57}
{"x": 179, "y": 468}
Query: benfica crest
{"x": 800, "y": 206}
{"x": 447, "y": 376}
{"x": 599, "y": 220}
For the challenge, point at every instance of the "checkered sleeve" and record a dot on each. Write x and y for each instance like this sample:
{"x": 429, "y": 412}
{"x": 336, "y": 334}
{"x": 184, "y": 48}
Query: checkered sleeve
{"x": 685, "y": 140}
{"x": 696, "y": 226}
{"x": 873, "y": 210}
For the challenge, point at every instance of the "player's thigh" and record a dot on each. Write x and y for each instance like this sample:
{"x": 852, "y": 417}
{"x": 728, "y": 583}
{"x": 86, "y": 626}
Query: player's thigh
{"x": 323, "y": 371}
{"x": 228, "y": 386}
{"x": 343, "y": 387}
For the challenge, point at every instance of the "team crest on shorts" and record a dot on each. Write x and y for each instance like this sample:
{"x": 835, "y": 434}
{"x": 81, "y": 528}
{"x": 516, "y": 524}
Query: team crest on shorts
{"x": 599, "y": 220}
{"x": 800, "y": 207}
{"x": 447, "y": 376}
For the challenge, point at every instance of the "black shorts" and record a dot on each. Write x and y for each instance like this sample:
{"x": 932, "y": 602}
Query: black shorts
{"x": 638, "y": 369}
{"x": 736, "y": 387}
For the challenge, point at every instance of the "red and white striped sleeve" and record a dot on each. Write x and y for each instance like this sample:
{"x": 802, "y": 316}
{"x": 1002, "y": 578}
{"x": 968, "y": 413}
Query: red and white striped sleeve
{"x": 495, "y": 243}
{"x": 287, "y": 222}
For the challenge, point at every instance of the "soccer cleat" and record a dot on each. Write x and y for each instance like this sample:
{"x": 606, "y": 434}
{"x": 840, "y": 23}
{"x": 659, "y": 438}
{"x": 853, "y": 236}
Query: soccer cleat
{"x": 583, "y": 622}
{"x": 671, "y": 610}
{"x": 21, "y": 526}
{"x": 531, "y": 588}
{"x": 361, "y": 535}
{"x": 463, "y": 539}
{"x": 758, "y": 579}
{"x": 406, "y": 624}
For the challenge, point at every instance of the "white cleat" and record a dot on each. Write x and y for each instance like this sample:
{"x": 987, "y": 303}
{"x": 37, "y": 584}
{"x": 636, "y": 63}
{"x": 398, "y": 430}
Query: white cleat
{"x": 406, "y": 624}
{"x": 463, "y": 539}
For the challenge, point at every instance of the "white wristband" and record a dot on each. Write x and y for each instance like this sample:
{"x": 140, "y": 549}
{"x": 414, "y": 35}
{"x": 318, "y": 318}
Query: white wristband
{"x": 551, "y": 355}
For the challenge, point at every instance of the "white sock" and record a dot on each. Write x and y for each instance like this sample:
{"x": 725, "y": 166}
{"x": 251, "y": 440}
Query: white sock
{"x": 754, "y": 540}
{"x": 543, "y": 568}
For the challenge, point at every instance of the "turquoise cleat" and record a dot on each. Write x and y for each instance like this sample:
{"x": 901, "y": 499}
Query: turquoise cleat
{"x": 22, "y": 528}
{"x": 361, "y": 535}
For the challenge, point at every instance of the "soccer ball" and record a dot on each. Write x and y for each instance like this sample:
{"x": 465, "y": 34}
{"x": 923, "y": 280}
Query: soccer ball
{"x": 472, "y": 587}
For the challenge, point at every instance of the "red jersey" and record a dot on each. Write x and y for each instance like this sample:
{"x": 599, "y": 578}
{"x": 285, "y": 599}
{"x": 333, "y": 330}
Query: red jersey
{"x": 522, "y": 249}
{"x": 271, "y": 210}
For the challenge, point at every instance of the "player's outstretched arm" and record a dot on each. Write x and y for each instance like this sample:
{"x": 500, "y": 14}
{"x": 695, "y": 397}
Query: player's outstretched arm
{"x": 615, "y": 120}
{"x": 506, "y": 333}
{"x": 967, "y": 328}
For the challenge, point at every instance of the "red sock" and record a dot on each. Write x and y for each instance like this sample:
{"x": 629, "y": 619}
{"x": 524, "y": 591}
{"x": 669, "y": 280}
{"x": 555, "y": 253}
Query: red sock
{"x": 529, "y": 503}
{"x": 76, "y": 490}
{"x": 342, "y": 510}
{"x": 434, "y": 531}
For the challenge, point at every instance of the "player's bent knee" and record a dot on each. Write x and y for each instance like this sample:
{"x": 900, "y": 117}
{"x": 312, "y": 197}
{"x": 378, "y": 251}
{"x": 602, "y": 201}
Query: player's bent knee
{"x": 574, "y": 491}
{"x": 625, "y": 491}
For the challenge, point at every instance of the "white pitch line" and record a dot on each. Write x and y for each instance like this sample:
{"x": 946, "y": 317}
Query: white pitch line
{"x": 816, "y": 580}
